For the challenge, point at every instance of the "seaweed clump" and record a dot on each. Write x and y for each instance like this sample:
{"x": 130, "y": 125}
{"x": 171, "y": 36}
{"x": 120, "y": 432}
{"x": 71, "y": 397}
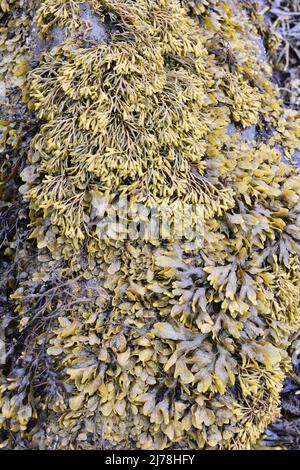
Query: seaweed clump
{"x": 125, "y": 340}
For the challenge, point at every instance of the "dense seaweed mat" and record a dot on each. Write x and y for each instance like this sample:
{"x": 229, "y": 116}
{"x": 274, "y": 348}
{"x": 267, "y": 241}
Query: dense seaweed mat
{"x": 153, "y": 343}
{"x": 17, "y": 126}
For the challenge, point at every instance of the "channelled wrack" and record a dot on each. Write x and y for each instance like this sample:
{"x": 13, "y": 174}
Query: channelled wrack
{"x": 154, "y": 343}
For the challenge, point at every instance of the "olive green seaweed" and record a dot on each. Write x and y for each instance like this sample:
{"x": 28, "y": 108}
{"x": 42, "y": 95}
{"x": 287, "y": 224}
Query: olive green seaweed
{"x": 155, "y": 343}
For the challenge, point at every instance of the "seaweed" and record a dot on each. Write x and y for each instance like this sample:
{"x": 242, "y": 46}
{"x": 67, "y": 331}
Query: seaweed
{"x": 120, "y": 337}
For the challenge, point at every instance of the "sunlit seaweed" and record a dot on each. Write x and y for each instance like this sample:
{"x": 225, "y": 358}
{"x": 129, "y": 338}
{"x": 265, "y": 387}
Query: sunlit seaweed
{"x": 152, "y": 343}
